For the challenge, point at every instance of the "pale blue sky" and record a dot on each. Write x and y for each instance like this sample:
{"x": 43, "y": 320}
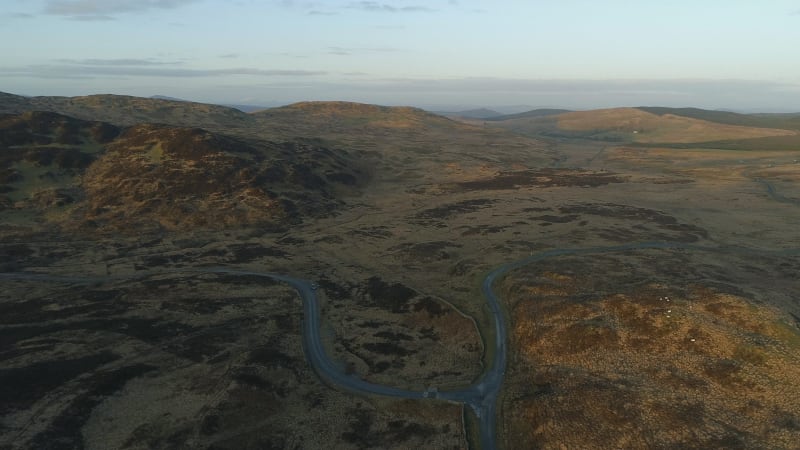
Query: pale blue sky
{"x": 439, "y": 54}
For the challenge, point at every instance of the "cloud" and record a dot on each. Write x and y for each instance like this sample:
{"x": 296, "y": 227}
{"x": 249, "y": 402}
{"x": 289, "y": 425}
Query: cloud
{"x": 92, "y": 18}
{"x": 315, "y": 12}
{"x": 19, "y": 16}
{"x": 94, "y": 9}
{"x": 795, "y": 12}
{"x": 229, "y": 55}
{"x": 118, "y": 62}
{"x": 77, "y": 70}
{"x": 347, "y": 51}
{"x": 384, "y": 7}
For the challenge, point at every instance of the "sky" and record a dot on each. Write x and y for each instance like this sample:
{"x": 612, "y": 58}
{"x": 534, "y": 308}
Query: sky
{"x": 437, "y": 54}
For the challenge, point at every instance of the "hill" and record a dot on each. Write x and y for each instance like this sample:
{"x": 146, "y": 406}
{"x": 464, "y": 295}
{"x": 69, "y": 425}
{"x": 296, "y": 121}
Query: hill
{"x": 528, "y": 114}
{"x": 123, "y": 110}
{"x": 635, "y": 125}
{"x": 480, "y": 113}
{"x": 401, "y": 143}
{"x": 781, "y": 121}
{"x": 613, "y": 358}
{"x": 73, "y": 173}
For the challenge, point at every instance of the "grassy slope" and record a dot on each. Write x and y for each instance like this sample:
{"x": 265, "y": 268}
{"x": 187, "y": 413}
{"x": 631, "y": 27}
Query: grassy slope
{"x": 126, "y": 110}
{"x": 529, "y": 114}
{"x": 639, "y": 126}
{"x": 781, "y": 121}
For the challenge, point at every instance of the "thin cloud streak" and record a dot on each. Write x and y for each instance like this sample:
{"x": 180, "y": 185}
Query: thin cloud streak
{"x": 92, "y": 18}
{"x": 321, "y": 13}
{"x": 118, "y": 62}
{"x": 384, "y": 7}
{"x": 102, "y": 8}
{"x": 347, "y": 51}
{"x": 86, "y": 71}
{"x": 18, "y": 16}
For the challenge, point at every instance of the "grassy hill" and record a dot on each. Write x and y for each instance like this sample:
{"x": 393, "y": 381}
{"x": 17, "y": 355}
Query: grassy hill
{"x": 635, "y": 125}
{"x": 529, "y": 114}
{"x": 69, "y": 172}
{"x": 480, "y": 113}
{"x": 400, "y": 142}
{"x": 781, "y": 121}
{"x": 125, "y": 110}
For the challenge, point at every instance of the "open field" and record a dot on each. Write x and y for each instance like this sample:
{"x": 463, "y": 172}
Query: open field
{"x": 168, "y": 359}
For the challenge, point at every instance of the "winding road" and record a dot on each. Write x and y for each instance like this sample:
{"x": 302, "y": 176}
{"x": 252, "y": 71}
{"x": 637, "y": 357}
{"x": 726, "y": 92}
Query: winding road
{"x": 481, "y": 396}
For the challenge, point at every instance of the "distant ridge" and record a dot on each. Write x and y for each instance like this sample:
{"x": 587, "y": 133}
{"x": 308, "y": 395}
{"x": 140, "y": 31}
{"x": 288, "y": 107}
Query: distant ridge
{"x": 544, "y": 112}
{"x": 328, "y": 114}
{"x": 785, "y": 121}
{"x": 480, "y": 113}
{"x": 124, "y": 110}
{"x": 166, "y": 97}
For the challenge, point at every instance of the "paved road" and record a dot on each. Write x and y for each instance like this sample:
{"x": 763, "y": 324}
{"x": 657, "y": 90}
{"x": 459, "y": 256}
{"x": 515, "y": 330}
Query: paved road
{"x": 481, "y": 396}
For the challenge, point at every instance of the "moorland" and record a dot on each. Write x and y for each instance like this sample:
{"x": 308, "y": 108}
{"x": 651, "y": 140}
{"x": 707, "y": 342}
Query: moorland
{"x": 655, "y": 303}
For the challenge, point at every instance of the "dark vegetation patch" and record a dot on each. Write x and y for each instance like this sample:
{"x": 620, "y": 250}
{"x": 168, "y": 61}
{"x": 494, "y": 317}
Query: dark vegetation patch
{"x": 21, "y": 387}
{"x": 426, "y": 251}
{"x": 556, "y": 219}
{"x": 250, "y": 252}
{"x": 250, "y": 376}
{"x": 379, "y": 232}
{"x": 65, "y": 430}
{"x": 271, "y": 357}
{"x": 208, "y": 343}
{"x": 78, "y": 301}
{"x": 289, "y": 240}
{"x": 481, "y": 230}
{"x": 333, "y": 290}
{"x": 431, "y": 306}
{"x": 392, "y": 336}
{"x": 363, "y": 434}
{"x": 15, "y": 252}
{"x": 63, "y": 158}
{"x": 690, "y": 233}
{"x": 56, "y": 197}
{"x": 239, "y": 279}
{"x": 206, "y": 305}
{"x": 542, "y": 178}
{"x": 373, "y": 324}
{"x": 394, "y": 297}
{"x": 463, "y": 267}
{"x": 342, "y": 178}
{"x": 47, "y": 128}
{"x": 330, "y": 239}
{"x": 725, "y": 372}
{"x": 450, "y": 210}
{"x": 151, "y": 331}
{"x": 388, "y": 348}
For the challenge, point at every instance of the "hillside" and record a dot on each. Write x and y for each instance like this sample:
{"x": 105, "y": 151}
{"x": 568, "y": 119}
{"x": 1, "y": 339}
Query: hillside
{"x": 635, "y": 125}
{"x": 480, "y": 113}
{"x": 765, "y": 120}
{"x": 332, "y": 116}
{"x": 529, "y": 114}
{"x": 76, "y": 174}
{"x": 622, "y": 352}
{"x": 123, "y": 110}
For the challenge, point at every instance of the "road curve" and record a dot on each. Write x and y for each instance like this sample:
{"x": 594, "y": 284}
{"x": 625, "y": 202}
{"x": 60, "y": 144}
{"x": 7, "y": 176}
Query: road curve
{"x": 481, "y": 396}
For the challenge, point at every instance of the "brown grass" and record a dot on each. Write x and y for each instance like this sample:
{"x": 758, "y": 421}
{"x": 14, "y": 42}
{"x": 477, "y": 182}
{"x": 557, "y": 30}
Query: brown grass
{"x": 631, "y": 369}
{"x": 652, "y": 128}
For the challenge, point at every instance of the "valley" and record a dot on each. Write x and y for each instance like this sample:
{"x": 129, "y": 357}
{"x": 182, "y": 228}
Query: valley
{"x": 397, "y": 215}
